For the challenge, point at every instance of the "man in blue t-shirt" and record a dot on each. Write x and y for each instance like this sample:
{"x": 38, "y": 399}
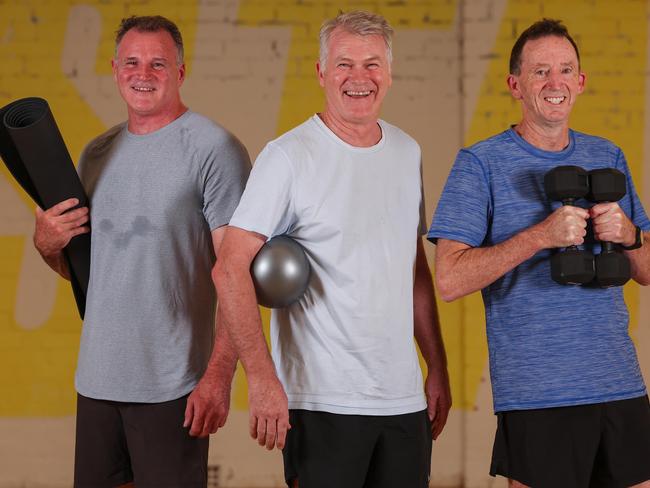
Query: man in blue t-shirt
{"x": 571, "y": 403}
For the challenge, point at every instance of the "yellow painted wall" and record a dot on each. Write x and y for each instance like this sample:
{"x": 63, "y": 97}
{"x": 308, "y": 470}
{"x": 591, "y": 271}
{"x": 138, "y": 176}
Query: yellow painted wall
{"x": 232, "y": 48}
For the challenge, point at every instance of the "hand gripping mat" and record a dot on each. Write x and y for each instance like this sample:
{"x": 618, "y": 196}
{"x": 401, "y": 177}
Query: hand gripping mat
{"x": 33, "y": 150}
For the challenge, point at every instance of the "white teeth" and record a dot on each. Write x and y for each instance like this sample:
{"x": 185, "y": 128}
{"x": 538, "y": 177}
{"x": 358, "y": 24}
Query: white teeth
{"x": 142, "y": 88}
{"x": 555, "y": 100}
{"x": 357, "y": 93}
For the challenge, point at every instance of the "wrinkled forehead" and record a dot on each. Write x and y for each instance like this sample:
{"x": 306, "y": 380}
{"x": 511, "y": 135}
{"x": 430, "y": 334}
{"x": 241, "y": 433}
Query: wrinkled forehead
{"x": 549, "y": 50}
{"x": 343, "y": 43}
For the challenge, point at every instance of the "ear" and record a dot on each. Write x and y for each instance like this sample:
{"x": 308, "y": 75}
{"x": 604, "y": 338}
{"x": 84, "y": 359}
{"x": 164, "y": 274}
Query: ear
{"x": 114, "y": 69}
{"x": 181, "y": 74}
{"x": 582, "y": 78}
{"x": 321, "y": 74}
{"x": 513, "y": 85}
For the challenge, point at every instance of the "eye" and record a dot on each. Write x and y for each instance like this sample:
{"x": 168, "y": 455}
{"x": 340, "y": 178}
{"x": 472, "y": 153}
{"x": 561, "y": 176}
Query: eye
{"x": 540, "y": 72}
{"x": 130, "y": 62}
{"x": 373, "y": 66}
{"x": 158, "y": 65}
{"x": 567, "y": 71}
{"x": 343, "y": 65}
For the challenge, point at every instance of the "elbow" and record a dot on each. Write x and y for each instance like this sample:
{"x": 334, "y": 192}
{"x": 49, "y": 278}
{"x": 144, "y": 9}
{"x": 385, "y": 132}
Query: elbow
{"x": 642, "y": 280}
{"x": 640, "y": 274}
{"x": 446, "y": 288}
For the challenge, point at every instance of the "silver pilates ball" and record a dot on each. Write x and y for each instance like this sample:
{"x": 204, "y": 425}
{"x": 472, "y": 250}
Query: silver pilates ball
{"x": 280, "y": 272}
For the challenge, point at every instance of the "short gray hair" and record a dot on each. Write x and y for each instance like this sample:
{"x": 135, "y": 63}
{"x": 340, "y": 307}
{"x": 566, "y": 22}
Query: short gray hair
{"x": 357, "y": 22}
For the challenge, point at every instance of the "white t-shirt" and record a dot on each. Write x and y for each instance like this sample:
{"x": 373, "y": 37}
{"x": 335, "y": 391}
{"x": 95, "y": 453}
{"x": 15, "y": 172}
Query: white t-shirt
{"x": 347, "y": 345}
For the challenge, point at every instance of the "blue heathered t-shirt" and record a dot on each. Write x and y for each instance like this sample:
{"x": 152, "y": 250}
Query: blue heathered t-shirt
{"x": 550, "y": 345}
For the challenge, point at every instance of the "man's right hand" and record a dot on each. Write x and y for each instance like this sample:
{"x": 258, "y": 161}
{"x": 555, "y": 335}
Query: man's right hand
{"x": 56, "y": 226}
{"x": 566, "y": 226}
{"x": 268, "y": 411}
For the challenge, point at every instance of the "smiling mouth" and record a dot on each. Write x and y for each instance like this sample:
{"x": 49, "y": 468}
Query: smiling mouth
{"x": 357, "y": 93}
{"x": 555, "y": 100}
{"x": 143, "y": 89}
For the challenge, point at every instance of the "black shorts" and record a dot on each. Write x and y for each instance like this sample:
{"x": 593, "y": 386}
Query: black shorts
{"x": 326, "y": 450}
{"x": 602, "y": 445}
{"x": 120, "y": 442}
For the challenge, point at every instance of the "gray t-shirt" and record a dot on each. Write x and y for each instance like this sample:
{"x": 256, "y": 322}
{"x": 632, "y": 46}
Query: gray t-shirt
{"x": 149, "y": 324}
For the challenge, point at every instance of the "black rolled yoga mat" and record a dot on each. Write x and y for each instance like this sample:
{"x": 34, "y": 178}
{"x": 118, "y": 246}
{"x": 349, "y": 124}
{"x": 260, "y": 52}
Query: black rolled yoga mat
{"x": 33, "y": 150}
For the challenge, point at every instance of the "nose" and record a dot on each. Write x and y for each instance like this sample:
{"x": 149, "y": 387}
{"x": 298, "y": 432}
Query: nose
{"x": 358, "y": 73}
{"x": 143, "y": 70}
{"x": 554, "y": 79}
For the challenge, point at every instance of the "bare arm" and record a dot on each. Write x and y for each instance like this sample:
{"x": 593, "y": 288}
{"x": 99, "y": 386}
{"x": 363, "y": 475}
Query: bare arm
{"x": 462, "y": 269}
{"x": 209, "y": 403}
{"x": 611, "y": 224}
{"x": 429, "y": 339}
{"x": 269, "y": 416}
{"x": 54, "y": 229}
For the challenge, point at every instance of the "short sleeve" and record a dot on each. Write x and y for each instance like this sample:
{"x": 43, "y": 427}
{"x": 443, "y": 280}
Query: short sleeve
{"x": 81, "y": 168}
{"x": 266, "y": 207}
{"x": 630, "y": 203}
{"x": 463, "y": 210}
{"x": 225, "y": 172}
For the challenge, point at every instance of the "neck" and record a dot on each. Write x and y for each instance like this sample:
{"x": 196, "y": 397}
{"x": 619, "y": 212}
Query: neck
{"x": 359, "y": 135}
{"x": 141, "y": 124}
{"x": 548, "y": 138}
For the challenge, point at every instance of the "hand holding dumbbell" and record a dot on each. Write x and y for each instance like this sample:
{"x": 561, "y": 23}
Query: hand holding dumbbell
{"x": 608, "y": 185}
{"x": 571, "y": 266}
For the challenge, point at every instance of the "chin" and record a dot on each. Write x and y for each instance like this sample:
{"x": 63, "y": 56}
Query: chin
{"x": 362, "y": 116}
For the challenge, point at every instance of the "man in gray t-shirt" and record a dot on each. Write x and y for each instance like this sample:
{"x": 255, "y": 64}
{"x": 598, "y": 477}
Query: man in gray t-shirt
{"x": 162, "y": 187}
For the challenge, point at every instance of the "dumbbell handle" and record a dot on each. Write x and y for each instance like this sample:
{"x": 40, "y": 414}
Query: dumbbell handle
{"x": 606, "y": 246}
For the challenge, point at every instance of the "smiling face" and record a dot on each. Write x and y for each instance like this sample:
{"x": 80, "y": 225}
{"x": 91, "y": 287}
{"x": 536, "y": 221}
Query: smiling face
{"x": 356, "y": 77}
{"x": 147, "y": 74}
{"x": 549, "y": 81}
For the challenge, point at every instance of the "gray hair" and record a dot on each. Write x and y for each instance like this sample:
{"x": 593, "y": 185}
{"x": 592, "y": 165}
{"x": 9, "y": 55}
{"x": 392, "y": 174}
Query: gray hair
{"x": 357, "y": 22}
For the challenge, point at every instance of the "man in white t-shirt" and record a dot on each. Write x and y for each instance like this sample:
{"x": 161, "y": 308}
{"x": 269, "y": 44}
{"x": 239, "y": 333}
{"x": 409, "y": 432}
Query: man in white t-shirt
{"x": 347, "y": 187}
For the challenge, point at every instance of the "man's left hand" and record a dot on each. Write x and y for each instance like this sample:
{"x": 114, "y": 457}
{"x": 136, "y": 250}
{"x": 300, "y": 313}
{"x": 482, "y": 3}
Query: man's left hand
{"x": 611, "y": 224}
{"x": 438, "y": 393}
{"x": 207, "y": 407}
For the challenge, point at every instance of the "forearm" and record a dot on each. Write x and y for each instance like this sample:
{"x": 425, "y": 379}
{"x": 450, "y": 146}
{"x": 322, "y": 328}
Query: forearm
{"x": 640, "y": 262}
{"x": 223, "y": 361}
{"x": 429, "y": 339}
{"x": 54, "y": 228}
{"x": 425, "y": 318}
{"x": 241, "y": 318}
{"x": 58, "y": 263}
{"x": 464, "y": 270}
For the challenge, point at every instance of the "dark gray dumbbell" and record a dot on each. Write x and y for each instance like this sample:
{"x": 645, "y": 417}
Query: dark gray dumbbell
{"x": 612, "y": 266}
{"x": 573, "y": 266}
